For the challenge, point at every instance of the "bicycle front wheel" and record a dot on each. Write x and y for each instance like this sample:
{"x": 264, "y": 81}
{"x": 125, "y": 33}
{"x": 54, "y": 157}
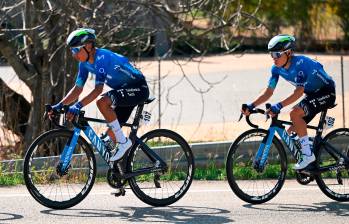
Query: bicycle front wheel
{"x": 43, "y": 178}
{"x": 162, "y": 188}
{"x": 334, "y": 183}
{"x": 247, "y": 182}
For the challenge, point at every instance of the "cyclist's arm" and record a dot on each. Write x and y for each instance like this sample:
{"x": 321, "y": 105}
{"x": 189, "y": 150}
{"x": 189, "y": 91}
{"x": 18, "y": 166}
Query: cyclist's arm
{"x": 92, "y": 95}
{"x": 72, "y": 96}
{"x": 301, "y": 79}
{"x": 99, "y": 83}
{"x": 298, "y": 93}
{"x": 75, "y": 92}
{"x": 267, "y": 93}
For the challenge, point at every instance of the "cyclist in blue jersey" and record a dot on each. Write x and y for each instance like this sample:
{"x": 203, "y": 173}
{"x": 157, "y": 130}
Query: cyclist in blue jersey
{"x": 309, "y": 78}
{"x": 129, "y": 87}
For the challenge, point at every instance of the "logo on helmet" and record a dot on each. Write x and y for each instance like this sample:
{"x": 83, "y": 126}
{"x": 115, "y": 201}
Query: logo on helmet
{"x": 84, "y": 39}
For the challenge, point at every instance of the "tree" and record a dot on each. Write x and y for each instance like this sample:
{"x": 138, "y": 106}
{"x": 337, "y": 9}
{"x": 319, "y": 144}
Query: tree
{"x": 33, "y": 33}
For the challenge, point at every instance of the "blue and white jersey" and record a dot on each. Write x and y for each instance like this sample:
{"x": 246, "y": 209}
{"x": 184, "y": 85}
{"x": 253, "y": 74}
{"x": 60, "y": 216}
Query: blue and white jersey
{"x": 110, "y": 68}
{"x": 303, "y": 71}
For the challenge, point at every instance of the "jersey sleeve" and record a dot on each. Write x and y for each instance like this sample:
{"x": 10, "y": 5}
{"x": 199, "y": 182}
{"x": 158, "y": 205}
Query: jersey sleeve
{"x": 274, "y": 78}
{"x": 82, "y": 76}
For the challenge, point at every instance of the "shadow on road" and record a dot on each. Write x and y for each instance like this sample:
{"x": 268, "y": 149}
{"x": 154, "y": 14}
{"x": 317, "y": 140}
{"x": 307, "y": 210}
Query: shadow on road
{"x": 335, "y": 208}
{"x": 9, "y": 216}
{"x": 187, "y": 214}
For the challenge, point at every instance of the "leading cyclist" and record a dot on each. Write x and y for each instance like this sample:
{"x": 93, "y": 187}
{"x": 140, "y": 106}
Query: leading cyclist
{"x": 128, "y": 83}
{"x": 309, "y": 78}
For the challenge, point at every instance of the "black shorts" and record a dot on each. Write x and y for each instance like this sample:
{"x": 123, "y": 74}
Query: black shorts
{"x": 314, "y": 103}
{"x": 126, "y": 97}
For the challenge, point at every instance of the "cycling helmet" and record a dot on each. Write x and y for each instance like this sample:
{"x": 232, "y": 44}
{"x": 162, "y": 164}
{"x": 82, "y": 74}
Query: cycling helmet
{"x": 281, "y": 42}
{"x": 81, "y": 36}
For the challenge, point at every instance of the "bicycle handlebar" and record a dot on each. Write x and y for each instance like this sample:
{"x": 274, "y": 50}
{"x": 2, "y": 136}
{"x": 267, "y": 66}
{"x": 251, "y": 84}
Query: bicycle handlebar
{"x": 254, "y": 111}
{"x": 64, "y": 110}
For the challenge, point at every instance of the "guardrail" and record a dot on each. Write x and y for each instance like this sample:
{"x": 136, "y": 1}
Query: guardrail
{"x": 204, "y": 153}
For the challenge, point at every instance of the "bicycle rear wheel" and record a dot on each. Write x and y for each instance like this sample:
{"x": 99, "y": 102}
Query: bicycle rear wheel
{"x": 162, "y": 188}
{"x": 46, "y": 183}
{"x": 247, "y": 182}
{"x": 334, "y": 183}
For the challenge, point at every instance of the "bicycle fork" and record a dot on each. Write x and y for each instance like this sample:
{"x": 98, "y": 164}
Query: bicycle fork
{"x": 263, "y": 151}
{"x": 67, "y": 153}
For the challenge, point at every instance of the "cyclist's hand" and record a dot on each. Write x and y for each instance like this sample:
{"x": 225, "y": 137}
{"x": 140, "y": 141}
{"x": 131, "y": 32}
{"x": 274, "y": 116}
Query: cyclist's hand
{"x": 246, "y": 108}
{"x": 274, "y": 109}
{"x": 55, "y": 108}
{"x": 73, "y": 110}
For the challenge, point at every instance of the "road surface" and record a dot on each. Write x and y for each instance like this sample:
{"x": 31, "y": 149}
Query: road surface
{"x": 205, "y": 202}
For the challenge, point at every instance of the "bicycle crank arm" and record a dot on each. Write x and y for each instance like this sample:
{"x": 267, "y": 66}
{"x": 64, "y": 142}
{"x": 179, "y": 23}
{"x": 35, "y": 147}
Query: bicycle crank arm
{"x": 315, "y": 171}
{"x": 141, "y": 172}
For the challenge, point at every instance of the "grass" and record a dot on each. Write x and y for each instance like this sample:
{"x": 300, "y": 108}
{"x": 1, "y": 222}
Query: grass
{"x": 11, "y": 179}
{"x": 211, "y": 172}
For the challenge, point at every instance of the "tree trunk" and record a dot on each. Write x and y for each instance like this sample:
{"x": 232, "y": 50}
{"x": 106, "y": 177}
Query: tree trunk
{"x": 16, "y": 109}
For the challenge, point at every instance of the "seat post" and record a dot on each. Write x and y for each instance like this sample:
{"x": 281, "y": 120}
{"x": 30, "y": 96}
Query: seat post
{"x": 319, "y": 130}
{"x": 136, "y": 120}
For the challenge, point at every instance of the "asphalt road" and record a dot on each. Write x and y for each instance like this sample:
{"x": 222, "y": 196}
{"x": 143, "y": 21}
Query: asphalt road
{"x": 205, "y": 202}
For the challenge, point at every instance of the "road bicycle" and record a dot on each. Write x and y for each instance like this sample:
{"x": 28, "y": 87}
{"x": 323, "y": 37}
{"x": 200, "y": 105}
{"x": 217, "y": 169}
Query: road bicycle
{"x": 257, "y": 164}
{"x": 60, "y": 166}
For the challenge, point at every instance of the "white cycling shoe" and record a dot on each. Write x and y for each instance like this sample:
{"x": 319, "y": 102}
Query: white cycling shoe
{"x": 304, "y": 161}
{"x": 121, "y": 150}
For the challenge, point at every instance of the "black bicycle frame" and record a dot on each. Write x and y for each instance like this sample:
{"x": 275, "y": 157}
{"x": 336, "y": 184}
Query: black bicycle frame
{"x": 278, "y": 126}
{"x": 82, "y": 124}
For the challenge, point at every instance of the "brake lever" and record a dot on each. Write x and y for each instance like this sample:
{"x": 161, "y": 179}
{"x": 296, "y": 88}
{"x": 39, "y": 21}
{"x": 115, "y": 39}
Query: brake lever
{"x": 241, "y": 115}
{"x": 267, "y": 106}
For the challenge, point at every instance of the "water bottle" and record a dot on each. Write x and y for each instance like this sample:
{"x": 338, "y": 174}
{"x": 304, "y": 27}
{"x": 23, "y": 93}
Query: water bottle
{"x": 108, "y": 142}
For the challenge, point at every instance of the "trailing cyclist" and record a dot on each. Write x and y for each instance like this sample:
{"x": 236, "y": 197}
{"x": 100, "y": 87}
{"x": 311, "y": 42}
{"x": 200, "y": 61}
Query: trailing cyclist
{"x": 309, "y": 78}
{"x": 129, "y": 87}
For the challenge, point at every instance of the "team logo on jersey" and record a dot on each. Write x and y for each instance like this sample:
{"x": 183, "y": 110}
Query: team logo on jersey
{"x": 101, "y": 70}
{"x": 299, "y": 62}
{"x": 100, "y": 57}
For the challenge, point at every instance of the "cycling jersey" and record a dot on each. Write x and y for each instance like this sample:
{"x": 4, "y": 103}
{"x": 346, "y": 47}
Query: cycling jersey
{"x": 110, "y": 68}
{"x": 303, "y": 71}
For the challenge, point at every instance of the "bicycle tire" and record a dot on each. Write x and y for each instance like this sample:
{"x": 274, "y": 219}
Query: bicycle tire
{"x": 326, "y": 181}
{"x": 40, "y": 169}
{"x": 244, "y": 171}
{"x": 182, "y": 172}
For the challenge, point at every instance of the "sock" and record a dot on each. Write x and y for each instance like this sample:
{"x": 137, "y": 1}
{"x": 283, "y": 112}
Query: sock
{"x": 305, "y": 145}
{"x": 119, "y": 134}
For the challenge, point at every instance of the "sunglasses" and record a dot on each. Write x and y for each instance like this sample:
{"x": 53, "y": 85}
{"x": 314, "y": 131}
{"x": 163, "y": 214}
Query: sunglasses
{"x": 75, "y": 50}
{"x": 277, "y": 55}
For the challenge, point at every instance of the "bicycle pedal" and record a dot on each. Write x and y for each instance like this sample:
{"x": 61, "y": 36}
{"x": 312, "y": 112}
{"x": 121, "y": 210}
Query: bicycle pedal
{"x": 120, "y": 192}
{"x": 339, "y": 178}
{"x": 156, "y": 181}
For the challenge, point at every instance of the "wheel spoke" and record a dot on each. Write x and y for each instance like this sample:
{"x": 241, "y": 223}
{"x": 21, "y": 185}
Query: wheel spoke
{"x": 53, "y": 189}
{"x": 248, "y": 183}
{"x": 176, "y": 153}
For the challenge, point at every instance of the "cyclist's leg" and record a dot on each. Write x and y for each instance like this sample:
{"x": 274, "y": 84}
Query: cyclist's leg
{"x": 104, "y": 105}
{"x": 303, "y": 113}
{"x": 300, "y": 127}
{"x": 119, "y": 103}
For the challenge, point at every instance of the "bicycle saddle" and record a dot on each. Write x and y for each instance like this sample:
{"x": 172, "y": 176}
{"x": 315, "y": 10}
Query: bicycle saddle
{"x": 149, "y": 100}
